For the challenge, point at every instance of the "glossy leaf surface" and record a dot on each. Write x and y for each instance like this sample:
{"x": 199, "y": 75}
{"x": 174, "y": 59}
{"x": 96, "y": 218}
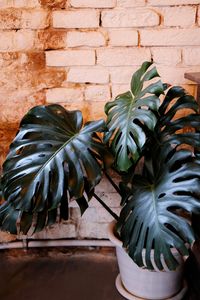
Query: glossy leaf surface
{"x": 52, "y": 159}
{"x": 161, "y": 199}
{"x": 127, "y": 114}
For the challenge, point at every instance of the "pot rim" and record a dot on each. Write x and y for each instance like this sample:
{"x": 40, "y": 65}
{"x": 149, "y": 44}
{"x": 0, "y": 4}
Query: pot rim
{"x": 111, "y": 235}
{"x": 117, "y": 242}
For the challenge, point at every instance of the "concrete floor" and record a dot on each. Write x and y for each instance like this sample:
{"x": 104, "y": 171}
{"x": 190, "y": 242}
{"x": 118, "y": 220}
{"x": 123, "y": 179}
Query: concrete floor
{"x": 58, "y": 275}
{"x": 70, "y": 274}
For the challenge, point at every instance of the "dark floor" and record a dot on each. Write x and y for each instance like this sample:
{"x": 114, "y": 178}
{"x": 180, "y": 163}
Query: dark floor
{"x": 53, "y": 275}
{"x": 70, "y": 274}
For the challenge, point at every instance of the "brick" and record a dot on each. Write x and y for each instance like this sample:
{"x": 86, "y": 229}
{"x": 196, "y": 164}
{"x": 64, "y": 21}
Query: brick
{"x": 16, "y": 41}
{"x": 30, "y": 80}
{"x": 53, "y": 39}
{"x": 76, "y": 19}
{"x": 53, "y": 3}
{"x": 130, "y": 3}
{"x": 88, "y": 75}
{"x": 179, "y": 16}
{"x": 121, "y": 75}
{"x": 104, "y": 185}
{"x": 11, "y": 108}
{"x": 191, "y": 56}
{"x": 70, "y": 58}
{"x": 170, "y": 37}
{"x": 97, "y": 93}
{"x": 93, "y": 3}
{"x": 57, "y": 231}
{"x": 122, "y": 57}
{"x": 59, "y": 95}
{"x": 123, "y": 37}
{"x": 100, "y": 215}
{"x": 173, "y": 75}
{"x": 171, "y": 2}
{"x": 35, "y": 19}
{"x": 27, "y": 19}
{"x": 19, "y": 3}
{"x": 77, "y": 106}
{"x": 166, "y": 56}
{"x": 6, "y": 136}
{"x": 118, "y": 89}
{"x": 96, "y": 112}
{"x": 92, "y": 230}
{"x": 10, "y": 18}
{"x": 111, "y": 199}
{"x": 130, "y": 18}
{"x": 90, "y": 39}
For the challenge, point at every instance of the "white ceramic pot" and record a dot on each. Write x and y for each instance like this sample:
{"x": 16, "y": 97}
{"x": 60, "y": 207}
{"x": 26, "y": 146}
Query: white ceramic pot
{"x": 144, "y": 283}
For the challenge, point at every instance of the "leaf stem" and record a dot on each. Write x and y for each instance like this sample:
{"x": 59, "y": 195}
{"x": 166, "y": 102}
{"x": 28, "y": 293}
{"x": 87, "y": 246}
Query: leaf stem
{"x": 106, "y": 207}
{"x": 112, "y": 183}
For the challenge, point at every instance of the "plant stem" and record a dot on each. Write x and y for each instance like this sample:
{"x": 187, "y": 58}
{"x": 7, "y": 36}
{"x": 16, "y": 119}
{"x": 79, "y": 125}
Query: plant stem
{"x": 113, "y": 183}
{"x": 106, "y": 207}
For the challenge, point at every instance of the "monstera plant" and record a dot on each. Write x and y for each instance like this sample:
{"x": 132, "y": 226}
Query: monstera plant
{"x": 150, "y": 138}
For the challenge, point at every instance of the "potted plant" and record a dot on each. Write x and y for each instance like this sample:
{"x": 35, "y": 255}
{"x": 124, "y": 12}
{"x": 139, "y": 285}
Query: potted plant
{"x": 55, "y": 159}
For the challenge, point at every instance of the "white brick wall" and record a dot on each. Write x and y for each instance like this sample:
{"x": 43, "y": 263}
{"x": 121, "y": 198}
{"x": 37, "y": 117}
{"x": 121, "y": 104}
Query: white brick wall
{"x": 88, "y": 75}
{"x": 166, "y": 56}
{"x": 123, "y": 37}
{"x": 130, "y": 3}
{"x": 62, "y": 95}
{"x": 76, "y": 19}
{"x": 171, "y": 2}
{"x": 90, "y": 39}
{"x": 122, "y": 56}
{"x": 170, "y": 37}
{"x": 130, "y": 18}
{"x": 173, "y": 16}
{"x": 61, "y": 58}
{"x": 93, "y": 3}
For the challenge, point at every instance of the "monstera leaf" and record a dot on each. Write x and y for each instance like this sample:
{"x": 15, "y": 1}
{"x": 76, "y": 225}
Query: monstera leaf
{"x": 127, "y": 114}
{"x": 152, "y": 216}
{"x": 167, "y": 191}
{"x": 51, "y": 160}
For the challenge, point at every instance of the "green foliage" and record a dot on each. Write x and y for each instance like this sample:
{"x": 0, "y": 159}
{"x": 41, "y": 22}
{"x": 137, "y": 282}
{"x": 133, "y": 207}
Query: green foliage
{"x": 51, "y": 160}
{"x": 127, "y": 115}
{"x": 54, "y": 159}
{"x": 168, "y": 188}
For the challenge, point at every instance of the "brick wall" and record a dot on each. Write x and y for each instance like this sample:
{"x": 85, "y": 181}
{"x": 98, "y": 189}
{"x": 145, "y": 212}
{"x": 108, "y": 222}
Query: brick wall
{"x": 81, "y": 53}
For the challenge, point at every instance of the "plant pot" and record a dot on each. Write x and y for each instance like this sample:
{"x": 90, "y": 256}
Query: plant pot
{"x": 144, "y": 283}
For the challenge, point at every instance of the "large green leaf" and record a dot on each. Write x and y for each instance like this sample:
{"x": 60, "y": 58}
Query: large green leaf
{"x": 52, "y": 159}
{"x": 127, "y": 114}
{"x": 152, "y": 216}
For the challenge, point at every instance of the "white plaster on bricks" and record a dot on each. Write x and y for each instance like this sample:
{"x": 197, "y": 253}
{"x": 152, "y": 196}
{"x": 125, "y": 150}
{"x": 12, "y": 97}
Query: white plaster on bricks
{"x": 123, "y": 37}
{"x": 130, "y": 3}
{"x": 90, "y": 39}
{"x": 76, "y": 19}
{"x": 61, "y": 58}
{"x": 170, "y": 37}
{"x": 171, "y": 2}
{"x": 93, "y": 3}
{"x": 97, "y": 93}
{"x": 166, "y": 55}
{"x": 61, "y": 95}
{"x": 122, "y": 56}
{"x": 88, "y": 75}
{"x": 130, "y": 18}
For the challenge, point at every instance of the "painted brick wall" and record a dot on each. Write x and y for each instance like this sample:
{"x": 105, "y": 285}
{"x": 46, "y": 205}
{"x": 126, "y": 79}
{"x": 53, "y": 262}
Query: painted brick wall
{"x": 81, "y": 53}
